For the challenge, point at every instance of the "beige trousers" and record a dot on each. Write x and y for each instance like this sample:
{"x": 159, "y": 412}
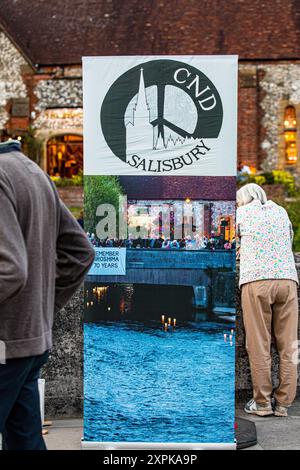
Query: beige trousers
{"x": 272, "y": 305}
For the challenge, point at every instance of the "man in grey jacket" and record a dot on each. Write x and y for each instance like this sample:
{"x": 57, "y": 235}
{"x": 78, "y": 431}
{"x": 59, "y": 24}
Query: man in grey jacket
{"x": 44, "y": 256}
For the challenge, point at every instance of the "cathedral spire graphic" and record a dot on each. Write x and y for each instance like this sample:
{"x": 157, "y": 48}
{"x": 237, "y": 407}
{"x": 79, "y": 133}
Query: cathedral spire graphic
{"x": 142, "y": 136}
{"x": 140, "y": 130}
{"x": 142, "y": 98}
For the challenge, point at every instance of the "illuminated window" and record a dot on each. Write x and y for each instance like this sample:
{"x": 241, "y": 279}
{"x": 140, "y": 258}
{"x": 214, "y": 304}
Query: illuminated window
{"x": 156, "y": 218}
{"x": 290, "y": 135}
{"x": 226, "y": 228}
{"x": 65, "y": 155}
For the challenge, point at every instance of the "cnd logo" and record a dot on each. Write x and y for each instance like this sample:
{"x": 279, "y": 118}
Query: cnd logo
{"x": 157, "y": 116}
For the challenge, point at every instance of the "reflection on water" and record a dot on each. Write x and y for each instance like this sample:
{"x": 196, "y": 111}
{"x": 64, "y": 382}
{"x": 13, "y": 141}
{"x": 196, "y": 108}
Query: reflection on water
{"x": 148, "y": 383}
{"x": 128, "y": 301}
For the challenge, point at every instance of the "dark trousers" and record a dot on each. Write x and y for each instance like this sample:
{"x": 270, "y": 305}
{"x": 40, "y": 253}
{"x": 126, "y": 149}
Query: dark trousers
{"x": 20, "y": 416}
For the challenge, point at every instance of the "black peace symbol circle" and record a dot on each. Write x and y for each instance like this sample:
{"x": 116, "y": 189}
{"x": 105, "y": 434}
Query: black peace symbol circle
{"x": 160, "y": 73}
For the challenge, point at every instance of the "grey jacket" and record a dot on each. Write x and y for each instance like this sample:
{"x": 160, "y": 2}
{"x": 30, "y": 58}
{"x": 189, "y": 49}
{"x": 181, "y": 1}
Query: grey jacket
{"x": 44, "y": 255}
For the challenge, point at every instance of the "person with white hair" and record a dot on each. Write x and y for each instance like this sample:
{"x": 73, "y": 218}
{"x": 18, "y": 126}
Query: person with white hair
{"x": 268, "y": 282}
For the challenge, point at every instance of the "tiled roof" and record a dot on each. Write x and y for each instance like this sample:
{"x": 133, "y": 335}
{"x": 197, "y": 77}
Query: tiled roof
{"x": 210, "y": 188}
{"x": 61, "y": 32}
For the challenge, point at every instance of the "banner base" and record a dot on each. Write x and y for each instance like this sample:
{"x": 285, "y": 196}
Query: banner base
{"x": 91, "y": 445}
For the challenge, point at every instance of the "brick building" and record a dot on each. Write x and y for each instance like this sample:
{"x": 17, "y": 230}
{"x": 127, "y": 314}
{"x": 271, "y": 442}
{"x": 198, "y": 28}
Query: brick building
{"x": 211, "y": 198}
{"x": 41, "y": 45}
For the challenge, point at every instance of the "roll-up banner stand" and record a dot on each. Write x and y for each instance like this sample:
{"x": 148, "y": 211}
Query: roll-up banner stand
{"x": 160, "y": 138}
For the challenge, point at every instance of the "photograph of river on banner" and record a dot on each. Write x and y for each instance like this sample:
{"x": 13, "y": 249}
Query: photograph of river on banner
{"x": 159, "y": 329}
{"x": 160, "y": 202}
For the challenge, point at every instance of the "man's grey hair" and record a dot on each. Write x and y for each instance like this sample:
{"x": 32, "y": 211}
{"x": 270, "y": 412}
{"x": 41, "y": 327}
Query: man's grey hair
{"x": 249, "y": 193}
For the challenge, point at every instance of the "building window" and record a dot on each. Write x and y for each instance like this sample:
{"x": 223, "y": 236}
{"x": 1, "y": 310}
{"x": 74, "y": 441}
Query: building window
{"x": 226, "y": 229}
{"x": 290, "y": 135}
{"x": 65, "y": 155}
{"x": 158, "y": 218}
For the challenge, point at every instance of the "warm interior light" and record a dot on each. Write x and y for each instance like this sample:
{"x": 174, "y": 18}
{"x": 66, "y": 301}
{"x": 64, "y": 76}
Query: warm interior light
{"x": 290, "y": 135}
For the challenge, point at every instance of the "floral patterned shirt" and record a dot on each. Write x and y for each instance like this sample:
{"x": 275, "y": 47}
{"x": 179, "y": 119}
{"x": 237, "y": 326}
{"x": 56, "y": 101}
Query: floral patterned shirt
{"x": 266, "y": 235}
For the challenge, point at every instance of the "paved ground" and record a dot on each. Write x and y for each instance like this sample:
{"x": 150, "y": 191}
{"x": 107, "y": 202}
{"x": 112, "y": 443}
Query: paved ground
{"x": 273, "y": 433}
{"x": 276, "y": 433}
{"x": 65, "y": 434}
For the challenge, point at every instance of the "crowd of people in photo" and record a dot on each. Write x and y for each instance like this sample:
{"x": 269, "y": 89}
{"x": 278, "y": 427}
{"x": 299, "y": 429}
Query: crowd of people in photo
{"x": 212, "y": 242}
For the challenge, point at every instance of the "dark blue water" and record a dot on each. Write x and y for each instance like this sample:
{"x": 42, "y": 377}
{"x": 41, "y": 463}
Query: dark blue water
{"x": 144, "y": 384}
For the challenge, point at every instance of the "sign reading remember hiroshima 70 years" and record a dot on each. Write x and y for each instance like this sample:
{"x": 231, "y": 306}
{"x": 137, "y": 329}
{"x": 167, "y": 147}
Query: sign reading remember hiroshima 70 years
{"x": 109, "y": 262}
{"x": 174, "y": 115}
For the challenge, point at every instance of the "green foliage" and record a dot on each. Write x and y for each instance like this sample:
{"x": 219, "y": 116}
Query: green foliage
{"x": 259, "y": 179}
{"x": 32, "y": 145}
{"x": 76, "y": 211}
{"x": 284, "y": 178}
{"x": 293, "y": 210}
{"x": 76, "y": 180}
{"x": 99, "y": 190}
{"x": 269, "y": 177}
{"x": 297, "y": 241}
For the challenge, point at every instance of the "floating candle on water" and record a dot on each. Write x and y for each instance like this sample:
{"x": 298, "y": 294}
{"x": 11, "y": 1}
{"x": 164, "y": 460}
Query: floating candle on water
{"x": 174, "y": 322}
{"x": 225, "y": 337}
{"x": 169, "y": 320}
{"x": 163, "y": 319}
{"x": 232, "y": 332}
{"x": 230, "y": 338}
{"x": 166, "y": 326}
